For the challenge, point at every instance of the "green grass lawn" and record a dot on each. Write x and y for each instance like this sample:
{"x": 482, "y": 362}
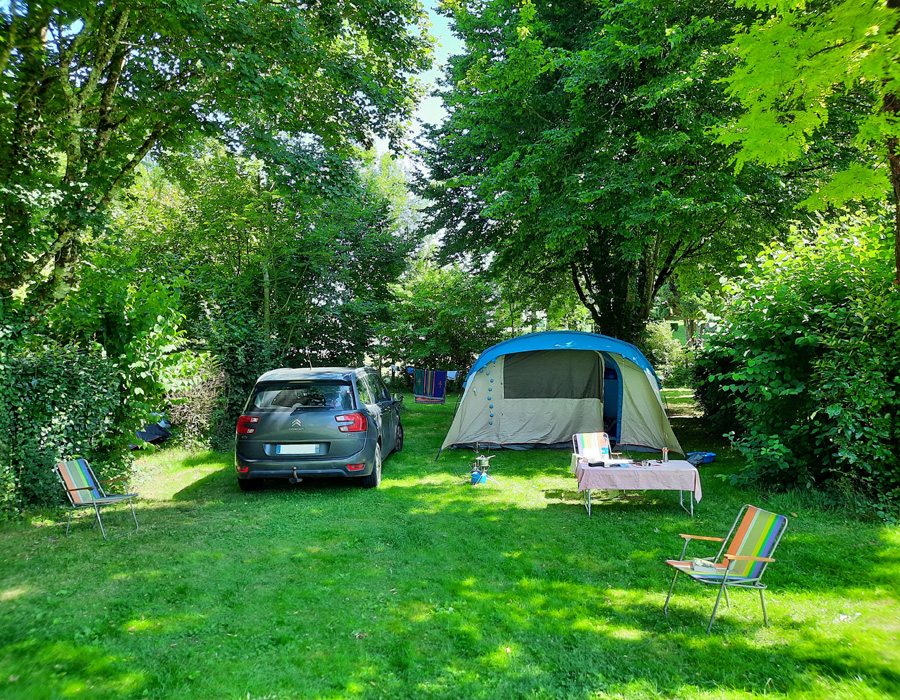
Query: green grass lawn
{"x": 430, "y": 588}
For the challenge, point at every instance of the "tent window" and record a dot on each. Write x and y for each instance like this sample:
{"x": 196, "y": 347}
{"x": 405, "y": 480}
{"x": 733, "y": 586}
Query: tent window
{"x": 553, "y": 374}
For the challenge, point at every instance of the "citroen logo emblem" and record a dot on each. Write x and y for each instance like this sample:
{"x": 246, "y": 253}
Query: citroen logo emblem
{"x": 296, "y": 423}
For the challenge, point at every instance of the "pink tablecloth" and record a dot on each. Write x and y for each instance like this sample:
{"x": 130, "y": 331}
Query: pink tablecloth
{"x": 676, "y": 475}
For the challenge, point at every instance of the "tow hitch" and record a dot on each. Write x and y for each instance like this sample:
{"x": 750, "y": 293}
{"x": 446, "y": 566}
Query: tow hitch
{"x": 295, "y": 479}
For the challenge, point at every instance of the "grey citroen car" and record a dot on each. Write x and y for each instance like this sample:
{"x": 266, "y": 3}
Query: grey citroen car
{"x": 325, "y": 422}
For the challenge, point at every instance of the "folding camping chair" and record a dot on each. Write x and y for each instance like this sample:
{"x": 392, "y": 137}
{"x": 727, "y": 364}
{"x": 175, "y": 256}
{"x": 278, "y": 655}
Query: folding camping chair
{"x": 591, "y": 449}
{"x": 756, "y": 535}
{"x": 84, "y": 490}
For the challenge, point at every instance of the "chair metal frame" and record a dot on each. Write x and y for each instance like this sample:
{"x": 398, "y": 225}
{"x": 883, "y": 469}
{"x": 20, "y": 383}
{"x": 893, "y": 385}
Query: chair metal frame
{"x": 730, "y": 561}
{"x": 577, "y": 456}
{"x": 84, "y": 497}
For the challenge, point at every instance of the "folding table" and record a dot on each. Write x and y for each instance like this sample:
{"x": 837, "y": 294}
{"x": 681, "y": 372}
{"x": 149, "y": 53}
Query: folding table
{"x": 653, "y": 475}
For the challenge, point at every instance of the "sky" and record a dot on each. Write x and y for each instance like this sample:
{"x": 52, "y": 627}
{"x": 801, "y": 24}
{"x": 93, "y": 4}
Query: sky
{"x": 448, "y": 45}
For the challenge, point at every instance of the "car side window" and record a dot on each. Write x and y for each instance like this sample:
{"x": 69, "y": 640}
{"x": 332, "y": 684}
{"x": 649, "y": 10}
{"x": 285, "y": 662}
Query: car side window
{"x": 378, "y": 386}
{"x": 365, "y": 394}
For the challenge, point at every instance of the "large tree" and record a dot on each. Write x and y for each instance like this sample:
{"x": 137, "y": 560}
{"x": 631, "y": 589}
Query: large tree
{"x": 579, "y": 142}
{"x": 88, "y": 89}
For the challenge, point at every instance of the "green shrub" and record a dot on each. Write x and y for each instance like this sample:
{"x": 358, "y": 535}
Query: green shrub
{"x": 672, "y": 361}
{"x": 81, "y": 376}
{"x": 243, "y": 351}
{"x": 717, "y": 402}
{"x": 810, "y": 358}
{"x": 57, "y": 402}
{"x": 194, "y": 411}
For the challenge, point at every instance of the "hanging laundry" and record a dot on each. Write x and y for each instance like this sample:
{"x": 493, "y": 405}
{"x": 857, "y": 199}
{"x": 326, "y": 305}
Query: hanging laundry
{"x": 430, "y": 386}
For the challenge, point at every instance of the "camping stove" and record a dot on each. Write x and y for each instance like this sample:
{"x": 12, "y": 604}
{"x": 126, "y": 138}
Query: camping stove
{"x": 479, "y": 470}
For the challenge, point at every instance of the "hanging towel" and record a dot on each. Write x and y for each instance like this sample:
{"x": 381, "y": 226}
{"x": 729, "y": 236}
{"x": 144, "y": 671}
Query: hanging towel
{"x": 430, "y": 386}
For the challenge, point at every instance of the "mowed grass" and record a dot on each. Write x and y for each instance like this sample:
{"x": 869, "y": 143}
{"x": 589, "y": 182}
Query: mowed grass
{"x": 431, "y": 588}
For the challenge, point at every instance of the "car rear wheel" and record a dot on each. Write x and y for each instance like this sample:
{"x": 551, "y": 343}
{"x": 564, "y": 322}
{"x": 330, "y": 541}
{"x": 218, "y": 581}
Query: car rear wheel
{"x": 398, "y": 445}
{"x": 250, "y": 484}
{"x": 374, "y": 479}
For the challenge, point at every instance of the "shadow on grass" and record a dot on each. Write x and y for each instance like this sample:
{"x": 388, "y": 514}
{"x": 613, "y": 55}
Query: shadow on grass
{"x": 433, "y": 588}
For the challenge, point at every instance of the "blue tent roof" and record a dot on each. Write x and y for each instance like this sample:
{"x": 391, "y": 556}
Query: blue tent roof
{"x": 562, "y": 340}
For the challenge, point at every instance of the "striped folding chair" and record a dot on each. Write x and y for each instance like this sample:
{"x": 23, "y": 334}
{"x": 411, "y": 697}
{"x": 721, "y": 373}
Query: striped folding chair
{"x": 750, "y": 543}
{"x": 84, "y": 490}
{"x": 592, "y": 448}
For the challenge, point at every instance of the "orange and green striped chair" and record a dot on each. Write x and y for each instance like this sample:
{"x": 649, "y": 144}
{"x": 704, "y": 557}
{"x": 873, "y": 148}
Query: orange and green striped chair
{"x": 84, "y": 490}
{"x": 750, "y": 543}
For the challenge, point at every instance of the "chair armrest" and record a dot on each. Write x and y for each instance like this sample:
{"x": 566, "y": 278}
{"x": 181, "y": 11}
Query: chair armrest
{"x": 702, "y": 537}
{"x": 741, "y": 557}
{"x": 83, "y": 488}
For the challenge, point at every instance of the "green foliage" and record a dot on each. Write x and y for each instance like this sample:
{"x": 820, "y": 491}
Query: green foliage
{"x": 58, "y": 401}
{"x": 196, "y": 411}
{"x": 578, "y": 146}
{"x": 136, "y": 323}
{"x": 672, "y": 361}
{"x": 244, "y": 351}
{"x": 88, "y": 374}
{"x": 271, "y": 272}
{"x": 811, "y": 75}
{"x": 812, "y": 350}
{"x": 444, "y": 317}
{"x": 714, "y": 397}
{"x": 793, "y": 60}
{"x": 87, "y": 90}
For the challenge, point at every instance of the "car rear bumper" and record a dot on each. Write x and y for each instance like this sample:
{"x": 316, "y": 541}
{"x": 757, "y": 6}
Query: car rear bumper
{"x": 319, "y": 468}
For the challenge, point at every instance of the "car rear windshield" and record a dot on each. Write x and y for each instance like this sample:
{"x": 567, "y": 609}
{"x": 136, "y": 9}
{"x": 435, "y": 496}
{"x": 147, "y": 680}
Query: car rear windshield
{"x": 304, "y": 394}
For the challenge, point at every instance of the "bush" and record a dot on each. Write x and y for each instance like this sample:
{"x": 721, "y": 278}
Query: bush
{"x": 194, "y": 412}
{"x": 810, "y": 359}
{"x": 56, "y": 402}
{"x": 243, "y": 351}
{"x": 672, "y": 361}
{"x": 717, "y": 403}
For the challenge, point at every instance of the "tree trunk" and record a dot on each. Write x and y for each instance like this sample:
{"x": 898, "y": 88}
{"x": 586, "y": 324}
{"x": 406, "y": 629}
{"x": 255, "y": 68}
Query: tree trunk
{"x": 894, "y": 160}
{"x": 619, "y": 294}
{"x": 690, "y": 329}
{"x": 892, "y": 106}
{"x": 266, "y": 312}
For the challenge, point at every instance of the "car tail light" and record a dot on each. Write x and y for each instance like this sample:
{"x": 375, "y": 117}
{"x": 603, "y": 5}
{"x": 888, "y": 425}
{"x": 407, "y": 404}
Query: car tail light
{"x": 245, "y": 425}
{"x": 355, "y": 467}
{"x": 355, "y": 422}
{"x": 242, "y": 470}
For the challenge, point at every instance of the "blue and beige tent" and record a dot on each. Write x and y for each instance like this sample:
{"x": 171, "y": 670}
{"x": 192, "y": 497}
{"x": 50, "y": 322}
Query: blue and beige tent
{"x": 538, "y": 390}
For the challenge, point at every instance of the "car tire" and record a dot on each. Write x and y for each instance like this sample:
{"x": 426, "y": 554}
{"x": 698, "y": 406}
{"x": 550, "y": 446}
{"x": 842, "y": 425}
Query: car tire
{"x": 374, "y": 479}
{"x": 398, "y": 445}
{"x": 250, "y": 484}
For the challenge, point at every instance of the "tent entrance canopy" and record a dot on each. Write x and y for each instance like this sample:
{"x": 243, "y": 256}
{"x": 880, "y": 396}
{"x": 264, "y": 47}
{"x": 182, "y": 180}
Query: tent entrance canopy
{"x": 538, "y": 390}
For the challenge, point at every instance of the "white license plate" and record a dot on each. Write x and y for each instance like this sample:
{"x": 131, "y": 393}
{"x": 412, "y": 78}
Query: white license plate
{"x": 296, "y": 449}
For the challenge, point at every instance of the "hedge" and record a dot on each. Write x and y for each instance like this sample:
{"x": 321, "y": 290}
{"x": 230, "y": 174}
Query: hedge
{"x": 55, "y": 402}
{"x": 809, "y": 360}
